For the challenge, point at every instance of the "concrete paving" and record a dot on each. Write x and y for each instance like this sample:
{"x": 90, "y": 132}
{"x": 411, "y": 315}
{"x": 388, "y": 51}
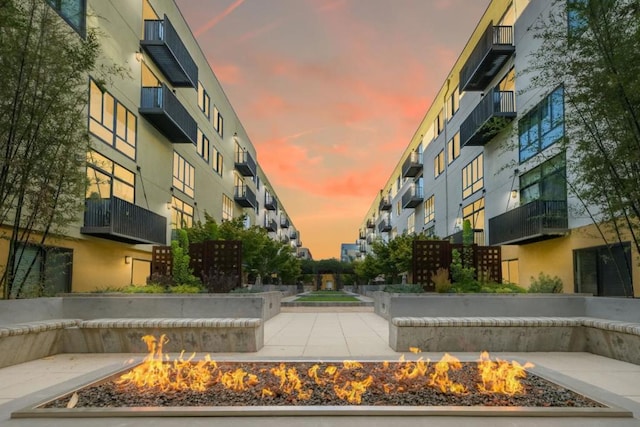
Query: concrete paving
{"x": 327, "y": 333}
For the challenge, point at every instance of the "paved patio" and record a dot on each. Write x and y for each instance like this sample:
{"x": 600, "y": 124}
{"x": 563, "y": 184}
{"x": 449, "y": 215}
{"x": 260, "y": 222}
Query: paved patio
{"x": 307, "y": 332}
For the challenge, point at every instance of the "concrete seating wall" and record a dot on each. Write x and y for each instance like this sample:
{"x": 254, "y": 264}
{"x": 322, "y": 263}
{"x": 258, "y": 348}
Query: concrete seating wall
{"x": 35, "y": 328}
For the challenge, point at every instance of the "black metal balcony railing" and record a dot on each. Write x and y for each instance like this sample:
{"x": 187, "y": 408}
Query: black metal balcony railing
{"x": 492, "y": 51}
{"x": 162, "y": 109}
{"x": 371, "y": 238}
{"x": 478, "y": 237}
{"x": 535, "y": 221}
{"x": 270, "y": 224}
{"x": 384, "y": 226}
{"x": 165, "y": 47}
{"x": 412, "y": 166}
{"x": 385, "y": 204}
{"x": 122, "y": 221}
{"x": 284, "y": 222}
{"x": 245, "y": 197}
{"x": 245, "y": 164}
{"x": 489, "y": 117}
{"x": 362, "y": 235}
{"x": 293, "y": 235}
{"x": 371, "y": 223}
{"x": 270, "y": 202}
{"x": 412, "y": 197}
{"x": 363, "y": 248}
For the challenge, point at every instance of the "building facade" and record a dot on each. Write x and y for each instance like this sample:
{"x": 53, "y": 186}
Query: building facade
{"x": 486, "y": 151}
{"x": 166, "y": 147}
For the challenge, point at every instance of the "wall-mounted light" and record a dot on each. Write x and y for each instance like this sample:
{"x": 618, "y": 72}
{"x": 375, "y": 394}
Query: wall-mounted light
{"x": 139, "y": 56}
{"x": 514, "y": 194}
{"x": 127, "y": 259}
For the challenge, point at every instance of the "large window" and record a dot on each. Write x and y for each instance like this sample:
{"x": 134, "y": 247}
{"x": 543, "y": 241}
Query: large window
{"x": 41, "y": 271}
{"x": 204, "y": 102}
{"x": 474, "y": 212}
{"x": 111, "y": 121}
{"x": 454, "y": 102}
{"x": 438, "y": 164}
{"x": 202, "y": 146}
{"x": 429, "y": 209}
{"x": 216, "y": 160}
{"x": 105, "y": 178}
{"x": 227, "y": 208}
{"x": 542, "y": 126}
{"x": 473, "y": 176}
{"x": 72, "y": 11}
{"x": 411, "y": 223}
{"x": 184, "y": 175}
{"x": 604, "y": 271}
{"x": 218, "y": 122}
{"x": 181, "y": 214}
{"x": 453, "y": 148}
{"x": 545, "y": 182}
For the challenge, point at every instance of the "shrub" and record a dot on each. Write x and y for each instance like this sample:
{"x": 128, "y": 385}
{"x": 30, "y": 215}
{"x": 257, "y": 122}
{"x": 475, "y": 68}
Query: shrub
{"x": 463, "y": 277}
{"x": 441, "y": 280}
{"x": 404, "y": 289}
{"x": 186, "y": 289}
{"x": 144, "y": 289}
{"x": 546, "y": 284}
{"x": 253, "y": 290}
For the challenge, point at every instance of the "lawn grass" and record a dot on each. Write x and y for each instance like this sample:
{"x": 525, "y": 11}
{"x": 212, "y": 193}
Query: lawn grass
{"x": 328, "y": 298}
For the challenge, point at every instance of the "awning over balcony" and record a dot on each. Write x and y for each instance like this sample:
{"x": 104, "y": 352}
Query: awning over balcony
{"x": 122, "y": 221}
{"x": 165, "y": 47}
{"x": 535, "y": 221}
{"x": 492, "y": 51}
{"x": 162, "y": 109}
{"x": 496, "y": 109}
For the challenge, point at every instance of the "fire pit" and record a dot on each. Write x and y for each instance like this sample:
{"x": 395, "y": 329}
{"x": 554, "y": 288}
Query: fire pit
{"x": 189, "y": 386}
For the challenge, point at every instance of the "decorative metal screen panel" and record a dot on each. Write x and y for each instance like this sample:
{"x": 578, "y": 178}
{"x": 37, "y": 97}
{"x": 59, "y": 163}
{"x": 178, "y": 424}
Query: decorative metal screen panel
{"x": 218, "y": 263}
{"x": 161, "y": 261}
{"x": 489, "y": 262}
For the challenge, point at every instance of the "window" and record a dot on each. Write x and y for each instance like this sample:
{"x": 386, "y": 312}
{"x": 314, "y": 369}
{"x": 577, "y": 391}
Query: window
{"x": 576, "y": 17}
{"x": 545, "y": 182}
{"x": 181, "y": 214}
{"x": 105, "y": 179}
{"x": 542, "y": 126}
{"x": 227, "y": 208}
{"x": 111, "y": 121}
{"x": 183, "y": 175}
{"x": 72, "y": 11}
{"x": 454, "y": 102}
{"x": 218, "y": 121}
{"x": 411, "y": 223}
{"x": 216, "y": 158}
{"x": 398, "y": 208}
{"x": 202, "y": 146}
{"x": 204, "y": 102}
{"x": 453, "y": 148}
{"x": 438, "y": 123}
{"x": 41, "y": 271}
{"x": 438, "y": 164}
{"x": 429, "y": 209}
{"x": 604, "y": 271}
{"x": 473, "y": 176}
{"x": 474, "y": 212}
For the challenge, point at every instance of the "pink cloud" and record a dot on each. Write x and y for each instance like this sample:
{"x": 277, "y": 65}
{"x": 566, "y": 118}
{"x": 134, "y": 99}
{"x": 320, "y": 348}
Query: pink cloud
{"x": 213, "y": 22}
{"x": 229, "y": 74}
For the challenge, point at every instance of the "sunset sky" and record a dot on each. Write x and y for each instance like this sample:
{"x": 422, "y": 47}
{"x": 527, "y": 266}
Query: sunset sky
{"x": 330, "y": 93}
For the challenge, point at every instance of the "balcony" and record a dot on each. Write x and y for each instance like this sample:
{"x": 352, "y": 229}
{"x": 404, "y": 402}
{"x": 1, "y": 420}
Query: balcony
{"x": 371, "y": 223}
{"x": 384, "y": 226}
{"x": 245, "y": 197}
{"x": 162, "y": 109}
{"x": 122, "y": 221}
{"x": 457, "y": 238}
{"x": 163, "y": 44}
{"x": 361, "y": 235}
{"x": 412, "y": 166}
{"x": 412, "y": 197}
{"x": 385, "y": 204}
{"x": 492, "y": 51}
{"x": 270, "y": 202}
{"x": 293, "y": 235}
{"x": 284, "y": 222}
{"x": 245, "y": 164}
{"x": 533, "y": 222}
{"x": 489, "y": 117}
{"x": 363, "y": 248}
{"x": 270, "y": 224}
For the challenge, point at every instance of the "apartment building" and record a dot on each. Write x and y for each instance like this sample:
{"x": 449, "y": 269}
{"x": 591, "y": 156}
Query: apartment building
{"x": 486, "y": 152}
{"x": 166, "y": 147}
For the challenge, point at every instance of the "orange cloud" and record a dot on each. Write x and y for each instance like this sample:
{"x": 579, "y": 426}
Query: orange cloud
{"x": 229, "y": 74}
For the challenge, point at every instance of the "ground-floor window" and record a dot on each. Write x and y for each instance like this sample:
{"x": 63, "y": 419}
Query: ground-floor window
{"x": 604, "y": 271}
{"x": 41, "y": 271}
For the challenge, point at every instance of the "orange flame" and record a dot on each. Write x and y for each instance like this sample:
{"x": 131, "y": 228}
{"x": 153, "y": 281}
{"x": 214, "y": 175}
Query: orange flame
{"x": 501, "y": 376}
{"x": 440, "y": 378}
{"x": 352, "y": 391}
{"x": 290, "y": 381}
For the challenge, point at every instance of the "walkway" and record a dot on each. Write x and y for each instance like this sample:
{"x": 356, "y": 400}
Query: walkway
{"x": 297, "y": 333}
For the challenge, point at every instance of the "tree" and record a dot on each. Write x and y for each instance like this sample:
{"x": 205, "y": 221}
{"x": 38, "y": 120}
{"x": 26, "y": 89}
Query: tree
{"x": 389, "y": 259}
{"x": 597, "y": 62}
{"x": 43, "y": 130}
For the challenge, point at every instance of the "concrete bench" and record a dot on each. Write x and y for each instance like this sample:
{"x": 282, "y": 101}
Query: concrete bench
{"x": 610, "y": 338}
{"x": 124, "y": 335}
{"x": 22, "y": 342}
